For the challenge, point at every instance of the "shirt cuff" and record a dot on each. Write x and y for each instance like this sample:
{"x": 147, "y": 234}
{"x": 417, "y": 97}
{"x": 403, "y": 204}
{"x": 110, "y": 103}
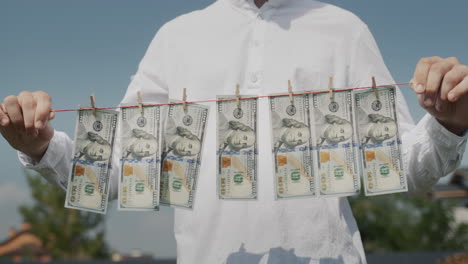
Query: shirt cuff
{"x": 50, "y": 159}
{"x": 443, "y": 137}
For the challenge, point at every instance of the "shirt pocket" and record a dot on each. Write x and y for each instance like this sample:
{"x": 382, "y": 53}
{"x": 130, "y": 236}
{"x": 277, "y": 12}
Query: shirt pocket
{"x": 310, "y": 80}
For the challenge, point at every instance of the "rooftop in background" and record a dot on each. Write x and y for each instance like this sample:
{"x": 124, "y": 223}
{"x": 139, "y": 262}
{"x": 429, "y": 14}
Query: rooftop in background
{"x": 456, "y": 187}
{"x": 22, "y": 244}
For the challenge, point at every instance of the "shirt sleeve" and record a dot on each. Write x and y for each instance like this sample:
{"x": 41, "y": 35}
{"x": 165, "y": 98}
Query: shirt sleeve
{"x": 55, "y": 164}
{"x": 430, "y": 151}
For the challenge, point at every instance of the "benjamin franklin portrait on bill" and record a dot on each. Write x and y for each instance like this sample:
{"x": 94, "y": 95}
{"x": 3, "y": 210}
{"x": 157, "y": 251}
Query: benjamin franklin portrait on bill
{"x": 93, "y": 147}
{"x": 237, "y": 136}
{"x": 377, "y": 128}
{"x": 332, "y": 129}
{"x": 141, "y": 144}
{"x": 183, "y": 143}
{"x": 291, "y": 133}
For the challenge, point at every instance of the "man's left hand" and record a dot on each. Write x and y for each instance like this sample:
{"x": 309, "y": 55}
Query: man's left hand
{"x": 442, "y": 88}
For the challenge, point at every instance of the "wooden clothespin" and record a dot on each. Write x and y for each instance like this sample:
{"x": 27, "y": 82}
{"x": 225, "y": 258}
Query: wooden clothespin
{"x": 184, "y": 100}
{"x": 330, "y": 88}
{"x": 140, "y": 102}
{"x": 374, "y": 86}
{"x": 238, "y": 96}
{"x": 291, "y": 100}
{"x": 93, "y": 104}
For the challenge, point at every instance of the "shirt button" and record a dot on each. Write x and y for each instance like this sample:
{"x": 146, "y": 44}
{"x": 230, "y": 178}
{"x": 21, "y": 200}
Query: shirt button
{"x": 254, "y": 78}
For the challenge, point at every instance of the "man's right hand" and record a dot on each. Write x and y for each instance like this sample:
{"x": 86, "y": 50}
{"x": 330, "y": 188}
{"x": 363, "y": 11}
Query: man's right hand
{"x": 24, "y": 122}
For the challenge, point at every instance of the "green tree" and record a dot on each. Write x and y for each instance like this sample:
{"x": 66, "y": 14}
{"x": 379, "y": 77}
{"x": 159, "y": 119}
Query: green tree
{"x": 66, "y": 233}
{"x": 399, "y": 222}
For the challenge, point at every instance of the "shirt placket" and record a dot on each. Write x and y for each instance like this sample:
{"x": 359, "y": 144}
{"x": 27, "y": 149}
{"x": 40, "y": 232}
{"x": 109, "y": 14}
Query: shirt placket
{"x": 254, "y": 74}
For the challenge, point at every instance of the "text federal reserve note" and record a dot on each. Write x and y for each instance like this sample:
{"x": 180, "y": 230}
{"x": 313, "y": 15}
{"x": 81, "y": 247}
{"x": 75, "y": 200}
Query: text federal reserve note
{"x": 88, "y": 181}
{"x": 237, "y": 148}
{"x": 380, "y": 141}
{"x": 291, "y": 144}
{"x": 335, "y": 146}
{"x": 181, "y": 158}
{"x": 140, "y": 161}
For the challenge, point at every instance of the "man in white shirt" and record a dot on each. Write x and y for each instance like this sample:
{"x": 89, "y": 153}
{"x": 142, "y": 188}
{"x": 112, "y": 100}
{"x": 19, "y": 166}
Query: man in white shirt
{"x": 262, "y": 44}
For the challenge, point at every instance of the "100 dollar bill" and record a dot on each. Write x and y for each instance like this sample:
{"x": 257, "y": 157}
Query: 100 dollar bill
{"x": 181, "y": 158}
{"x": 335, "y": 146}
{"x": 237, "y": 148}
{"x": 291, "y": 144}
{"x": 88, "y": 181}
{"x": 140, "y": 161}
{"x": 380, "y": 141}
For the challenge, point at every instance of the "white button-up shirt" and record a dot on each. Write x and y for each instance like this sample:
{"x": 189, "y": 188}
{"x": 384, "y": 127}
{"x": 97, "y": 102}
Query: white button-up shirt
{"x": 232, "y": 41}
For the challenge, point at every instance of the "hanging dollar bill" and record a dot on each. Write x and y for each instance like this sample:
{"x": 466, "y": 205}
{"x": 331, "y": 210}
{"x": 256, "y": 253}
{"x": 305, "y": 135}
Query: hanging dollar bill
{"x": 237, "y": 148}
{"x": 380, "y": 141}
{"x": 291, "y": 144}
{"x": 88, "y": 181}
{"x": 335, "y": 146}
{"x": 140, "y": 161}
{"x": 181, "y": 158}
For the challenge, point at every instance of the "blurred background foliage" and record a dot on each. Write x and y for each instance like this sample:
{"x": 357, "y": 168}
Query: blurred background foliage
{"x": 401, "y": 222}
{"x": 388, "y": 223}
{"x": 67, "y": 234}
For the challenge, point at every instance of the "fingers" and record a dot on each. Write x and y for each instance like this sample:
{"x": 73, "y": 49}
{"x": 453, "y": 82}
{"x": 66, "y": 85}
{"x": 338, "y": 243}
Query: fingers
{"x": 421, "y": 100}
{"x": 441, "y": 105}
{"x": 43, "y": 109}
{"x": 28, "y": 109}
{"x": 453, "y": 78}
{"x": 52, "y": 116}
{"x": 435, "y": 76}
{"x": 13, "y": 109}
{"x": 4, "y": 120}
{"x": 421, "y": 73}
{"x": 459, "y": 90}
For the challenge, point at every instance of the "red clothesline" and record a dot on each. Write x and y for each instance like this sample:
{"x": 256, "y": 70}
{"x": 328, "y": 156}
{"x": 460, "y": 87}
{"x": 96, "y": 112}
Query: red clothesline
{"x": 229, "y": 99}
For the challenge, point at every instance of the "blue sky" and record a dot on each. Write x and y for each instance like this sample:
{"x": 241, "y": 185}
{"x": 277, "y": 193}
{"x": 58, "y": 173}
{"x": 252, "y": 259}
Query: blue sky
{"x": 72, "y": 49}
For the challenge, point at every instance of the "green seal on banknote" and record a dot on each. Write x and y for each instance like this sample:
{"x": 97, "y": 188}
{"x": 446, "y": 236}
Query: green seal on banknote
{"x": 176, "y": 185}
{"x": 384, "y": 171}
{"x": 295, "y": 176}
{"x": 139, "y": 187}
{"x": 238, "y": 178}
{"x": 339, "y": 173}
{"x": 89, "y": 189}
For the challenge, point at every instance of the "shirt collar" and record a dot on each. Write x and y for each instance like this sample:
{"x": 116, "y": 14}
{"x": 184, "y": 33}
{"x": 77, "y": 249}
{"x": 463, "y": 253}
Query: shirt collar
{"x": 249, "y": 4}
